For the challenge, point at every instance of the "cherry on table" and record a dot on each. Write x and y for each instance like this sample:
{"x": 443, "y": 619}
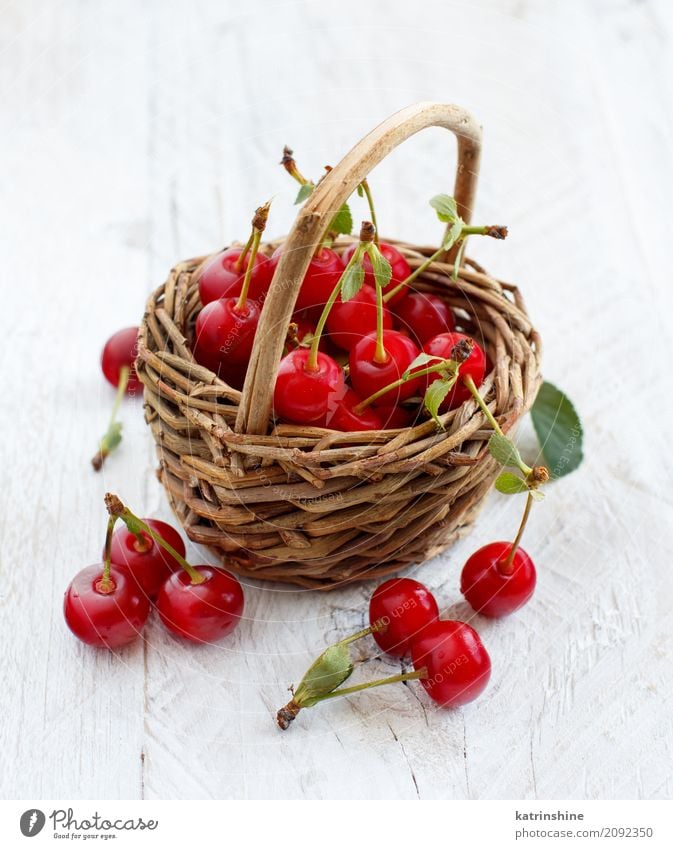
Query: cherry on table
{"x": 105, "y": 614}
{"x": 400, "y": 269}
{"x": 368, "y": 375}
{"x": 405, "y": 607}
{"x": 322, "y": 275}
{"x": 344, "y": 418}
{"x": 458, "y": 666}
{"x": 223, "y": 278}
{"x": 474, "y": 366}
{"x": 120, "y": 350}
{"x": 147, "y": 562}
{"x": 349, "y": 321}
{"x": 201, "y": 612}
{"x": 303, "y": 395}
{"x": 423, "y": 316}
{"x": 494, "y": 587}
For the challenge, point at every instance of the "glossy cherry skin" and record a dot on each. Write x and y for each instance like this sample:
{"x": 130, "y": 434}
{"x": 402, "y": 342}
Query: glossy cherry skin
{"x": 423, "y": 316}
{"x": 121, "y": 350}
{"x": 458, "y": 665}
{"x": 322, "y": 275}
{"x": 225, "y": 333}
{"x": 343, "y": 417}
{"x": 221, "y": 279}
{"x": 407, "y": 607}
{"x": 474, "y": 365}
{"x": 202, "y": 612}
{"x": 105, "y": 619}
{"x": 348, "y": 322}
{"x": 489, "y": 589}
{"x": 147, "y": 562}
{"x": 369, "y": 376}
{"x": 400, "y": 268}
{"x": 307, "y": 397}
{"x": 396, "y": 417}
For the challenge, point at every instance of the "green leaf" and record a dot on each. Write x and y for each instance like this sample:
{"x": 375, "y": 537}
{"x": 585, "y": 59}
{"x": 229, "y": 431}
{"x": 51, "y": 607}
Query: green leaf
{"x": 342, "y": 221}
{"x": 380, "y": 266}
{"x": 420, "y": 361}
{"x": 351, "y": 281}
{"x": 446, "y": 208}
{"x": 509, "y": 483}
{"x": 360, "y": 191}
{"x": 304, "y": 192}
{"x": 559, "y": 430}
{"x": 504, "y": 450}
{"x": 435, "y": 394}
{"x": 327, "y": 673}
{"x": 454, "y": 234}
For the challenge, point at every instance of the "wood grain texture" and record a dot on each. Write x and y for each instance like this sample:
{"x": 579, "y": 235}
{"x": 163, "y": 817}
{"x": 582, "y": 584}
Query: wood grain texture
{"x": 135, "y": 135}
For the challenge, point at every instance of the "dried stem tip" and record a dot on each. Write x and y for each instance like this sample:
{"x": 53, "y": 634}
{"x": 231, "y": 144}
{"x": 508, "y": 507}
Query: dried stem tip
{"x": 462, "y": 350}
{"x": 287, "y": 161}
{"x": 497, "y": 232}
{"x": 261, "y": 216}
{"x": 367, "y": 232}
{"x": 287, "y": 714}
{"x": 540, "y": 474}
{"x": 113, "y": 504}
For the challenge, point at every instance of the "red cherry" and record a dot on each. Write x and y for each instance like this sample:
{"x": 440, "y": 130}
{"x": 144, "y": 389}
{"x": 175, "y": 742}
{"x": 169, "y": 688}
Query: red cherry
{"x": 307, "y": 397}
{"x": 489, "y": 585}
{"x": 201, "y": 612}
{"x": 423, "y": 316}
{"x": 344, "y": 418}
{"x": 348, "y": 322}
{"x": 226, "y": 333}
{"x": 369, "y": 376}
{"x": 458, "y": 665}
{"x": 121, "y": 349}
{"x": 221, "y": 278}
{"x": 322, "y": 275}
{"x": 105, "y": 618}
{"x": 474, "y": 365}
{"x": 396, "y": 417}
{"x": 400, "y": 268}
{"x": 407, "y": 607}
{"x": 147, "y": 562}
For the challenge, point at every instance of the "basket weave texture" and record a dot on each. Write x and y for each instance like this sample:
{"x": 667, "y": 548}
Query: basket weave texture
{"x": 311, "y": 506}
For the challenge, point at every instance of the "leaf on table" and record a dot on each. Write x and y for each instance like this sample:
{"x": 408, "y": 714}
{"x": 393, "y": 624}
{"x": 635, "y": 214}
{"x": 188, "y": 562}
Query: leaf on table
{"x": 328, "y": 672}
{"x": 559, "y": 430}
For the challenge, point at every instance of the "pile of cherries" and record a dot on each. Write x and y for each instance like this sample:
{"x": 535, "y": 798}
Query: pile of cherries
{"x": 143, "y": 566}
{"x": 447, "y": 655}
{"x": 356, "y": 334}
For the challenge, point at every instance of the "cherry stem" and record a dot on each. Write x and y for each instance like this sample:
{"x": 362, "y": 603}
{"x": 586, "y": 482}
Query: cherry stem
{"x": 238, "y": 265}
{"x": 367, "y": 685}
{"x": 112, "y": 436}
{"x": 106, "y": 585}
{"x": 136, "y": 526}
{"x": 467, "y": 380}
{"x": 450, "y": 365}
{"x": 380, "y": 354}
{"x": 495, "y": 231}
{"x": 364, "y": 185}
{"x": 379, "y": 625}
{"x": 243, "y": 297}
{"x": 290, "y": 166}
{"x": 259, "y": 220}
{"x": 507, "y": 566}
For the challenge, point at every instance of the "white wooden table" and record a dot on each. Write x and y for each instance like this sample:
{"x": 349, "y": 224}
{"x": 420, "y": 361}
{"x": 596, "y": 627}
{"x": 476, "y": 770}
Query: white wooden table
{"x": 138, "y": 134}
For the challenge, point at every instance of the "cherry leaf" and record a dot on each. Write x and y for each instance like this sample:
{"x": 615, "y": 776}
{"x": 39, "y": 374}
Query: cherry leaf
{"x": 504, "y": 450}
{"x": 380, "y": 266}
{"x": 352, "y": 280}
{"x": 435, "y": 394}
{"x": 326, "y": 673}
{"x": 453, "y": 234}
{"x": 446, "y": 208}
{"x": 559, "y": 429}
{"x": 509, "y": 483}
{"x": 342, "y": 221}
{"x": 421, "y": 360}
{"x": 304, "y": 192}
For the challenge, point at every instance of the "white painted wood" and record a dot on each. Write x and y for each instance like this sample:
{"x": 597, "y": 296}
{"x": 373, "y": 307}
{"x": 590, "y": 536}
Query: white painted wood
{"x": 138, "y": 134}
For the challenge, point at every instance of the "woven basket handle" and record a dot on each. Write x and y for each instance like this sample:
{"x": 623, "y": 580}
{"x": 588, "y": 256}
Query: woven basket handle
{"x": 312, "y": 223}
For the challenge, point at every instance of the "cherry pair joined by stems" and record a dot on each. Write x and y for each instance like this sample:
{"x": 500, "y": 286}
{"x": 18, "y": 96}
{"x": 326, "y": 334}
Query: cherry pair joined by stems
{"x": 225, "y": 328}
{"x": 348, "y": 321}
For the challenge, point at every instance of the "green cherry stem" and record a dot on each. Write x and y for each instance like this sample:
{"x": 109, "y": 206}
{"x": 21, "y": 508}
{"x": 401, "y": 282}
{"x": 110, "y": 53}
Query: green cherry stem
{"x": 450, "y": 365}
{"x": 259, "y": 220}
{"x": 105, "y": 584}
{"x": 495, "y": 231}
{"x": 507, "y": 565}
{"x": 113, "y": 435}
{"x": 380, "y": 353}
{"x": 367, "y": 685}
{"x": 290, "y": 166}
{"x": 467, "y": 380}
{"x": 364, "y": 185}
{"x": 136, "y": 526}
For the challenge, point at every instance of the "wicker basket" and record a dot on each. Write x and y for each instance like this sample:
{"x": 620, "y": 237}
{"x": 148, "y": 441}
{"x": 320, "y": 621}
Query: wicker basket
{"x": 311, "y": 506}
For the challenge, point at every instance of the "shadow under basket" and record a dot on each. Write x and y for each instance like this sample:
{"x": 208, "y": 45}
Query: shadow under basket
{"x": 312, "y": 506}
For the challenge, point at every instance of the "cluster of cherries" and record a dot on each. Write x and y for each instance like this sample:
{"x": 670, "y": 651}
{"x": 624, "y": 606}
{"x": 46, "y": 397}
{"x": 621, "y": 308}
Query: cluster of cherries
{"x": 143, "y": 566}
{"x": 447, "y": 655}
{"x": 357, "y": 331}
